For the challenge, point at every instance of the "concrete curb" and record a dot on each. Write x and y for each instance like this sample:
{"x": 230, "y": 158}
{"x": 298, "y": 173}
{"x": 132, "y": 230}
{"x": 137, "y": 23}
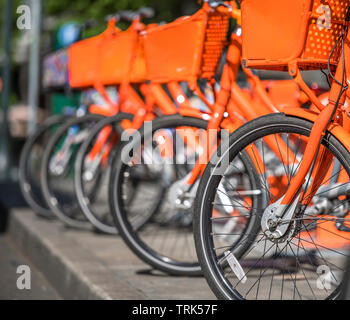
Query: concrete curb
{"x": 72, "y": 270}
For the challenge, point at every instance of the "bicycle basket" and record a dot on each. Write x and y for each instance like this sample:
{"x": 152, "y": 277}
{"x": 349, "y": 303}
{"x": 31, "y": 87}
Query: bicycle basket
{"x": 277, "y": 32}
{"x": 186, "y": 49}
{"x": 107, "y": 59}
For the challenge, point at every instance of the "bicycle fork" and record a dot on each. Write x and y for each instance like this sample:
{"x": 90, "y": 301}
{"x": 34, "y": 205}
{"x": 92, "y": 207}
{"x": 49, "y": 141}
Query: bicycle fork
{"x": 285, "y": 207}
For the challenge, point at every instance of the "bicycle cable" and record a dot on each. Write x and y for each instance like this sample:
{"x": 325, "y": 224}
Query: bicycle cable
{"x": 343, "y": 89}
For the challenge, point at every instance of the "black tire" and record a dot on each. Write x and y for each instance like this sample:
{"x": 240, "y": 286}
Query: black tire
{"x": 219, "y": 282}
{"x": 100, "y": 220}
{"x": 136, "y": 241}
{"x": 63, "y": 202}
{"x": 30, "y": 188}
{"x": 346, "y": 285}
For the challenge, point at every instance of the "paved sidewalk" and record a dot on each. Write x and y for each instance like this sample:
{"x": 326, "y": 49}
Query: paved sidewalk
{"x": 85, "y": 265}
{"x": 10, "y": 261}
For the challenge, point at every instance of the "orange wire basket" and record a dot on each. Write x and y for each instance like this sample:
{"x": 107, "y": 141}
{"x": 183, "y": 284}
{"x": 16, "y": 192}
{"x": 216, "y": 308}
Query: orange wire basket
{"x": 276, "y": 33}
{"x": 186, "y": 49}
{"x": 107, "y": 59}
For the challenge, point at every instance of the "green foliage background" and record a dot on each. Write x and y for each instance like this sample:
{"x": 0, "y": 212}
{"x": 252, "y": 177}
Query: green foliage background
{"x": 62, "y": 11}
{"x": 81, "y": 10}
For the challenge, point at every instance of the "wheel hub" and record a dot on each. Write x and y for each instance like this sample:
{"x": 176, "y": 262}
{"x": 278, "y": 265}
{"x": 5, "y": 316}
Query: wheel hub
{"x": 277, "y": 223}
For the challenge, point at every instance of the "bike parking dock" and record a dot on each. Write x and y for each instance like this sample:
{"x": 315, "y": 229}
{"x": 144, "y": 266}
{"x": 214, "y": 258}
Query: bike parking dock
{"x": 175, "y": 150}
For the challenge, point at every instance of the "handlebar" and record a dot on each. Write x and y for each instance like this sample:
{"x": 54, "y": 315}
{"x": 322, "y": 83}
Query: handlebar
{"x": 129, "y": 16}
{"x": 216, "y": 4}
{"x": 88, "y": 24}
{"x": 227, "y": 7}
{"x": 147, "y": 12}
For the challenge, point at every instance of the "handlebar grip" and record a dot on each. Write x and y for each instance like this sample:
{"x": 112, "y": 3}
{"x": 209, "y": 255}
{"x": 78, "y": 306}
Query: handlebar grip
{"x": 129, "y": 16}
{"x": 217, "y": 3}
{"x": 111, "y": 16}
{"x": 121, "y": 15}
{"x": 88, "y": 24}
{"x": 126, "y": 15}
{"x": 147, "y": 12}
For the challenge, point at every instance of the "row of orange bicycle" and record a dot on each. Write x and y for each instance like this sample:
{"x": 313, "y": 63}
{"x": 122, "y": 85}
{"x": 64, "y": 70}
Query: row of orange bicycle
{"x": 197, "y": 163}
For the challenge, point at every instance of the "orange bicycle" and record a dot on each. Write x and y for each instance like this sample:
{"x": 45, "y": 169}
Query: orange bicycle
{"x": 54, "y": 78}
{"x": 174, "y": 150}
{"x": 92, "y": 161}
{"x": 113, "y": 57}
{"x": 90, "y": 164}
{"x": 299, "y": 250}
{"x": 86, "y": 71}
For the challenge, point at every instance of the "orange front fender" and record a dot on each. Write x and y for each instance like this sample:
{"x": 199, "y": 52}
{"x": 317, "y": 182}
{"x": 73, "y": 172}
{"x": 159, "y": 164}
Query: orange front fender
{"x": 336, "y": 129}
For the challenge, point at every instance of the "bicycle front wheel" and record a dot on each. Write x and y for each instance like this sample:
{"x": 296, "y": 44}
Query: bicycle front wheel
{"x": 165, "y": 240}
{"x": 308, "y": 262}
{"x": 57, "y": 170}
{"x": 87, "y": 171}
{"x": 30, "y": 164}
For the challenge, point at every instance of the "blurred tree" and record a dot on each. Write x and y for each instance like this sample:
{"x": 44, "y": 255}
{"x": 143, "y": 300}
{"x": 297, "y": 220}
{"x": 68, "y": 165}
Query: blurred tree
{"x": 61, "y": 11}
{"x": 16, "y": 3}
{"x": 81, "y": 10}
